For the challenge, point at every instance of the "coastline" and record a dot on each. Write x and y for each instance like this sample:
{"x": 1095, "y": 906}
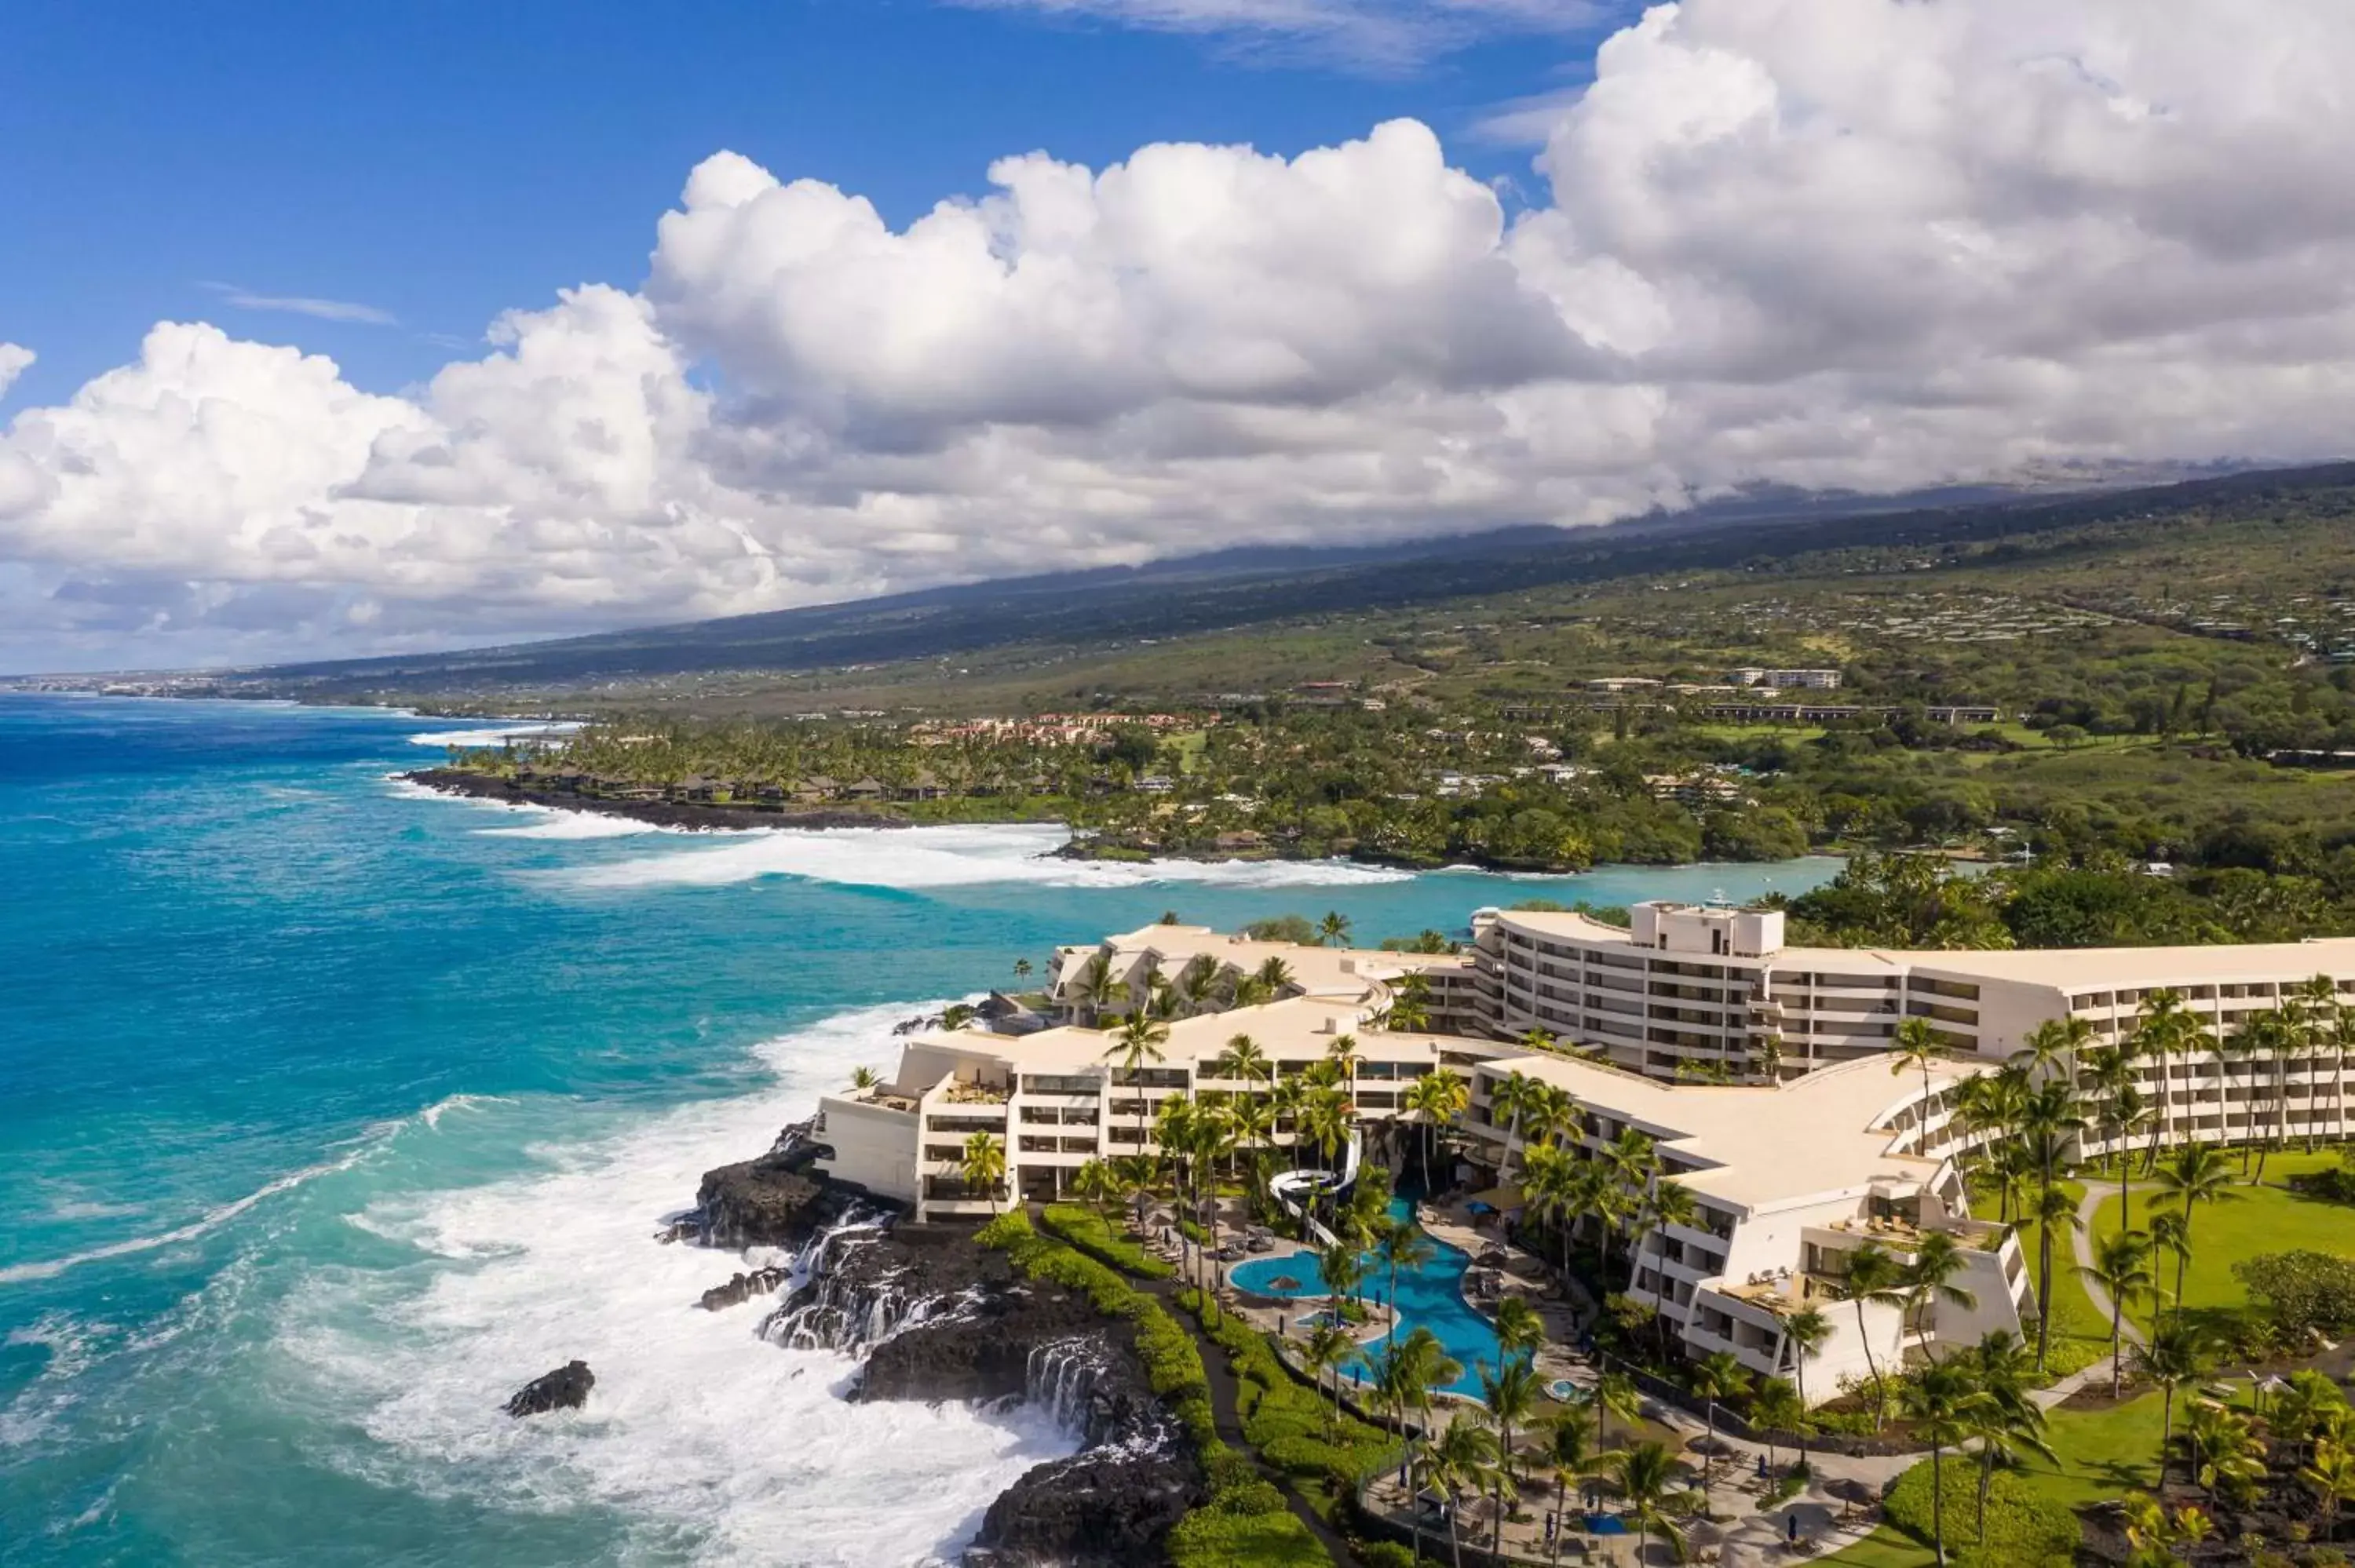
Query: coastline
{"x": 683, "y": 815}
{"x": 696, "y": 816}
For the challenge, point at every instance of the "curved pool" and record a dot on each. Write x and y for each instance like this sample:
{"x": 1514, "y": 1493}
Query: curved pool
{"x": 1430, "y": 1298}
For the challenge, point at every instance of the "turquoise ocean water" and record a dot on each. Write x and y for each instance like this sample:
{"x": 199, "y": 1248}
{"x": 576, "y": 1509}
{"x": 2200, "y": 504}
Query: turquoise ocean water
{"x": 330, "y": 1112}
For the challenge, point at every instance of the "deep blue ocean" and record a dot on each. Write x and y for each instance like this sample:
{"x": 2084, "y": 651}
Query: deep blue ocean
{"x": 332, "y": 1111}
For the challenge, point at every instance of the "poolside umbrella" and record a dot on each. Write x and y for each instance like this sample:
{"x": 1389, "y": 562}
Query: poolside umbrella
{"x": 1849, "y": 1490}
{"x": 1477, "y": 1207}
{"x": 1497, "y": 1198}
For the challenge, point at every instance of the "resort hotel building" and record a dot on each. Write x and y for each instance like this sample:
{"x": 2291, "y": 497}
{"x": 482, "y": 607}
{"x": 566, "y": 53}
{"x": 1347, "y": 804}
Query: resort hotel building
{"x": 1805, "y": 1147}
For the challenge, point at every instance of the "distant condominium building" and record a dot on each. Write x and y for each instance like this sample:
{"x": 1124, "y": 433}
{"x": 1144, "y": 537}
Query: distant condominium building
{"x": 1780, "y": 679}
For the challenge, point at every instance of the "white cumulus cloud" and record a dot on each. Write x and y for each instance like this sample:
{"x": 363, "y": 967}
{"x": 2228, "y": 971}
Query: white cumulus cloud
{"x": 1858, "y": 243}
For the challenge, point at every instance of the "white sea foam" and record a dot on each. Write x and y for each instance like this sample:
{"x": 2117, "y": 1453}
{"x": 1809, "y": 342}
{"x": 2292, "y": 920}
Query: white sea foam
{"x": 555, "y": 825}
{"x": 211, "y": 1220}
{"x": 493, "y": 736}
{"x": 72, "y": 1345}
{"x": 944, "y": 857}
{"x": 696, "y": 1430}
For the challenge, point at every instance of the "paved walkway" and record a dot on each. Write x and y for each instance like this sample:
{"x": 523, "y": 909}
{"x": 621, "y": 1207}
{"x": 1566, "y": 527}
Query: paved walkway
{"x": 2081, "y": 1243}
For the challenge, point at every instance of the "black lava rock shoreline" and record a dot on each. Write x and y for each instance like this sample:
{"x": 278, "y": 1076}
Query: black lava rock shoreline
{"x": 934, "y": 1316}
{"x": 657, "y": 813}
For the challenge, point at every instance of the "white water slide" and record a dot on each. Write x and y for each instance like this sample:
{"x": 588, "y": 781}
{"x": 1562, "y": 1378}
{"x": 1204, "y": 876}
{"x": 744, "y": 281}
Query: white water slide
{"x": 1293, "y": 1188}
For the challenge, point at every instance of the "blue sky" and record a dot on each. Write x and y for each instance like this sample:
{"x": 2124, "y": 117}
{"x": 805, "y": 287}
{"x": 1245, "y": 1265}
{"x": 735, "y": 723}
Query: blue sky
{"x": 332, "y": 328}
{"x": 441, "y": 161}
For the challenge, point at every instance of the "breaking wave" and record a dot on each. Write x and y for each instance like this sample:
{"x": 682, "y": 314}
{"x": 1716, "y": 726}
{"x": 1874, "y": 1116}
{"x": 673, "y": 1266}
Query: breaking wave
{"x": 713, "y": 1446}
{"x": 916, "y": 858}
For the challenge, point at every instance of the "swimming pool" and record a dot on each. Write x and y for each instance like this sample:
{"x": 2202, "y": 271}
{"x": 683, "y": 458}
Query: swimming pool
{"x": 1430, "y": 1298}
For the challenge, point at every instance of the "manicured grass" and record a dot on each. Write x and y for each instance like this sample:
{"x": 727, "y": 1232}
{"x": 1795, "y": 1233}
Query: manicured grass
{"x": 1887, "y": 1547}
{"x": 2257, "y": 1220}
{"x": 2103, "y": 1454}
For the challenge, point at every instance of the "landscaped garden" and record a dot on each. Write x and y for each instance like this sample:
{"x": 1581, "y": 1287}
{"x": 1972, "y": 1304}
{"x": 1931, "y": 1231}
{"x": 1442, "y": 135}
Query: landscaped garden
{"x": 2274, "y": 1459}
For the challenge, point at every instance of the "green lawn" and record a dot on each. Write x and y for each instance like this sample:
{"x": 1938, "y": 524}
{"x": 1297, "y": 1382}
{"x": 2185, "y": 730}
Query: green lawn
{"x": 1886, "y": 1547}
{"x": 2102, "y": 1454}
{"x": 2263, "y": 1219}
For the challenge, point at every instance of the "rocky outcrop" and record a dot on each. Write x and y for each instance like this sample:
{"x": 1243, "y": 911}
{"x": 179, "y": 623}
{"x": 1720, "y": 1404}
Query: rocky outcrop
{"x": 566, "y": 1388}
{"x": 774, "y": 1200}
{"x": 937, "y": 1317}
{"x": 743, "y": 1288}
{"x": 1106, "y": 1508}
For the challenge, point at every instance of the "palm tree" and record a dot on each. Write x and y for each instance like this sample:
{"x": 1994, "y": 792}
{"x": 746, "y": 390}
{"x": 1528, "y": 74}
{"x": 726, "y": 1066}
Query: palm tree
{"x": 2174, "y": 1357}
{"x": 1329, "y": 1345}
{"x": 1550, "y": 1187}
{"x": 1872, "y": 1277}
{"x": 1615, "y": 1394}
{"x": 2317, "y": 1016}
{"x": 863, "y": 1078}
{"x": 1095, "y": 1183}
{"x": 1775, "y": 1407}
{"x": 1344, "y": 1269}
{"x": 1409, "y": 1009}
{"x": 1929, "y": 1278}
{"x": 1513, "y": 1099}
{"x": 1400, "y": 1243}
{"x": 1647, "y": 1476}
{"x": 1805, "y": 1334}
{"x": 2003, "y": 1421}
{"x": 2055, "y": 1210}
{"x": 2342, "y": 1042}
{"x": 1434, "y": 1100}
{"x": 2050, "y": 1049}
{"x": 1915, "y": 1045}
{"x": 1716, "y": 1376}
{"x": 1417, "y": 1364}
{"x": 1574, "y": 1451}
{"x": 2244, "y": 1045}
{"x": 2196, "y": 1175}
{"x": 1274, "y": 974}
{"x": 1940, "y": 1402}
{"x": 1460, "y": 1462}
{"x": 1510, "y": 1396}
{"x": 2170, "y": 1235}
{"x": 2164, "y": 1027}
{"x": 1138, "y": 1041}
{"x": 1333, "y": 931}
{"x": 1342, "y": 1051}
{"x": 2121, "y": 1267}
{"x": 1086, "y": 990}
{"x": 1021, "y": 969}
{"x": 984, "y": 1165}
{"x": 1520, "y": 1330}
{"x": 1243, "y": 1061}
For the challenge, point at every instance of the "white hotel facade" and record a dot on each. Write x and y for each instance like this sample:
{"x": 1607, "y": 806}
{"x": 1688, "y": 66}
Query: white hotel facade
{"x": 1789, "y": 1175}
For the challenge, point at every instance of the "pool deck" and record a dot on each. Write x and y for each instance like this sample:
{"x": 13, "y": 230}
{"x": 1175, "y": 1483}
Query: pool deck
{"x": 1738, "y": 1533}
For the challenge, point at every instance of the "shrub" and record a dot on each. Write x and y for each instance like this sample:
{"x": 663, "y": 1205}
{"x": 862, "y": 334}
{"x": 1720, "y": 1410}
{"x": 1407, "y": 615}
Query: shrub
{"x": 1207, "y": 1538}
{"x": 1003, "y": 1232}
{"x": 1383, "y": 1554}
{"x": 2302, "y": 1291}
{"x": 1091, "y": 1233}
{"x": 2024, "y": 1528}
